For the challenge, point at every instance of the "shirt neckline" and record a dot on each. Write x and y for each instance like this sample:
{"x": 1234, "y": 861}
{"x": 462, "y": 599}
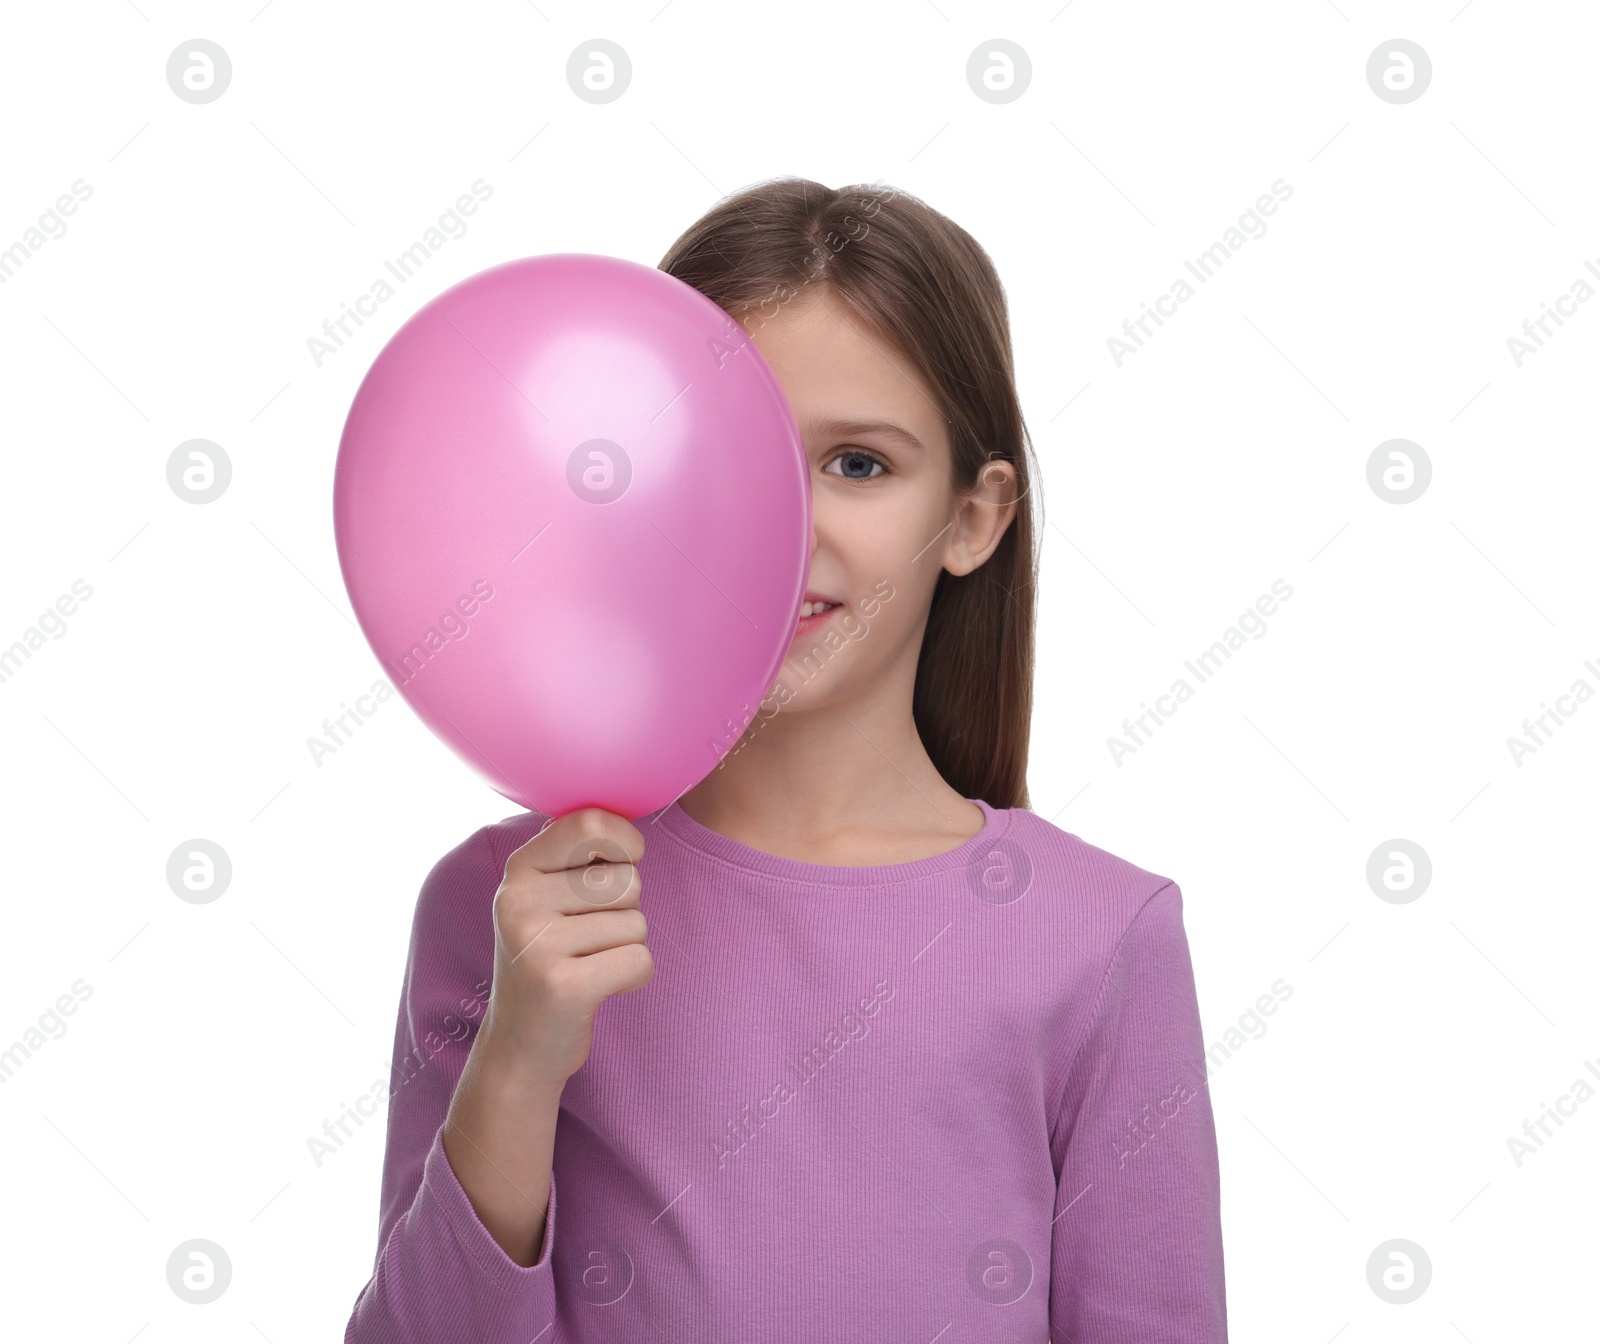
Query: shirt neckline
{"x": 713, "y": 844}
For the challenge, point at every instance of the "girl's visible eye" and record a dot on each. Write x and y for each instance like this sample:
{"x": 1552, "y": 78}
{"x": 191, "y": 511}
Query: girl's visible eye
{"x": 860, "y": 459}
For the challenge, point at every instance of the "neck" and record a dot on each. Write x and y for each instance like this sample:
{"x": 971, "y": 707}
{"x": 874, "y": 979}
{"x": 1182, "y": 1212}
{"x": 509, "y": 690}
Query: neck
{"x": 828, "y": 770}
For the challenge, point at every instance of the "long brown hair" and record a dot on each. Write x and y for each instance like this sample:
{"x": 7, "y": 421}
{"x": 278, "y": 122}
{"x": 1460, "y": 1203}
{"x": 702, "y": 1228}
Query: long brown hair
{"x": 925, "y": 286}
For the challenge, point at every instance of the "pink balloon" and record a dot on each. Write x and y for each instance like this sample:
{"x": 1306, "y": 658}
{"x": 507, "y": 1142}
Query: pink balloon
{"x": 573, "y": 513}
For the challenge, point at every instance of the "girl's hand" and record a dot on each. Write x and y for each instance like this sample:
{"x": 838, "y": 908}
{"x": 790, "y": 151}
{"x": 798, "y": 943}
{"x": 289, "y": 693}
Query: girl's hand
{"x": 568, "y": 934}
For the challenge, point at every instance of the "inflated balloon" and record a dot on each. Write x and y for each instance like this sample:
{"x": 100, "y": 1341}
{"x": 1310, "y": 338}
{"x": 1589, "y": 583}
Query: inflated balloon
{"x": 573, "y": 513}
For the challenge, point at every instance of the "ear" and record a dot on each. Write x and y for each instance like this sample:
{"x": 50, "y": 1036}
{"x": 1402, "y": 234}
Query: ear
{"x": 982, "y": 517}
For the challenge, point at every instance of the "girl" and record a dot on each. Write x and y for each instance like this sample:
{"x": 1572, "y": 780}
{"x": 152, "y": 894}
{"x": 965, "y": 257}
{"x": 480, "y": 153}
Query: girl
{"x": 901, "y": 1061}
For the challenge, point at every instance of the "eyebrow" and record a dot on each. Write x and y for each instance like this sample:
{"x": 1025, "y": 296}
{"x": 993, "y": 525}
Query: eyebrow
{"x": 887, "y": 428}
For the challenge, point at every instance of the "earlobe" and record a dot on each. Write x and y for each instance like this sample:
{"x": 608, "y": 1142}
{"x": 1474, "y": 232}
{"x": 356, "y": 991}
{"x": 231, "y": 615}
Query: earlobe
{"x": 960, "y": 569}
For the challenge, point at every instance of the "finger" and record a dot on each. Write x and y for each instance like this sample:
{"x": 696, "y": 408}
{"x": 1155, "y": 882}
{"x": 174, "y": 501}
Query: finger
{"x": 621, "y": 969}
{"x": 580, "y": 936}
{"x": 597, "y": 886}
{"x": 599, "y": 930}
{"x": 578, "y": 838}
{"x": 533, "y": 896}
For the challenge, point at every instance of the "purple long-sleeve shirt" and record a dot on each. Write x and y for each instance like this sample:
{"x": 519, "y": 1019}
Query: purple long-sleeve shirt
{"x": 960, "y": 1098}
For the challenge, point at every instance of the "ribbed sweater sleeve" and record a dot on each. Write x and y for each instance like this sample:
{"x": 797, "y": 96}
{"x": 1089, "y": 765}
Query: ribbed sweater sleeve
{"x": 1136, "y": 1250}
{"x": 439, "y": 1275}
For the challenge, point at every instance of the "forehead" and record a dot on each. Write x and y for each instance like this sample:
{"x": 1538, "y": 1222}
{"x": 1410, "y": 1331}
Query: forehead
{"x": 837, "y": 372}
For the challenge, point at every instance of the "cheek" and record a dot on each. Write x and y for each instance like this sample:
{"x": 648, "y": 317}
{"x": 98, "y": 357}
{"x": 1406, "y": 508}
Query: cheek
{"x": 855, "y": 624}
{"x": 877, "y": 537}
{"x": 885, "y": 550}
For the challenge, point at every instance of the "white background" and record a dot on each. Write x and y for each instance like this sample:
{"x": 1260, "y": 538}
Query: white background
{"x": 1231, "y": 451}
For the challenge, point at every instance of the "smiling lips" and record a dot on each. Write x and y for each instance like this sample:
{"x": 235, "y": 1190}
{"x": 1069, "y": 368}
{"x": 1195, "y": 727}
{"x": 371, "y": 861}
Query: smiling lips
{"x": 815, "y": 610}
{"x": 816, "y": 604}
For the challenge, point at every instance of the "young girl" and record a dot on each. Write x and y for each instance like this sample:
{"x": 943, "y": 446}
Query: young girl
{"x": 901, "y": 1061}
